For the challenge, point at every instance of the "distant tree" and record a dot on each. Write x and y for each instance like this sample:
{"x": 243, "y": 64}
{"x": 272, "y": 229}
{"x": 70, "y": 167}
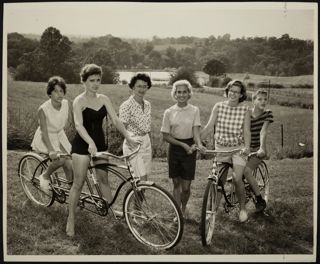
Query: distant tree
{"x": 214, "y": 67}
{"x": 17, "y": 46}
{"x": 109, "y": 76}
{"x": 185, "y": 73}
{"x": 55, "y": 48}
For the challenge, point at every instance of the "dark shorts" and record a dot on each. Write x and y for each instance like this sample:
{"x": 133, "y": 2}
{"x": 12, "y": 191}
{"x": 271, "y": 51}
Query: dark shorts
{"x": 180, "y": 163}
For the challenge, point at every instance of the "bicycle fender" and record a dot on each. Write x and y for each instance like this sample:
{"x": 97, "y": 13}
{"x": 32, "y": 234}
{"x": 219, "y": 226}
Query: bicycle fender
{"x": 150, "y": 183}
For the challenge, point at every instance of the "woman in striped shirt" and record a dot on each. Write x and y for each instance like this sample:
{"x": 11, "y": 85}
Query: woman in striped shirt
{"x": 260, "y": 120}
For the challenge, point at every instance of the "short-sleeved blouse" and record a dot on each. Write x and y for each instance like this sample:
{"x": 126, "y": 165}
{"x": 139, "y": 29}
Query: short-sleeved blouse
{"x": 179, "y": 121}
{"x": 55, "y": 121}
{"x": 138, "y": 120}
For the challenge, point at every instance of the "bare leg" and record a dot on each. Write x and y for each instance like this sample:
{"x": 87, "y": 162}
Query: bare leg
{"x": 185, "y": 194}
{"x": 80, "y": 166}
{"x": 68, "y": 170}
{"x": 252, "y": 181}
{"x": 177, "y": 190}
{"x": 240, "y": 191}
{"x": 102, "y": 177}
{"x": 53, "y": 166}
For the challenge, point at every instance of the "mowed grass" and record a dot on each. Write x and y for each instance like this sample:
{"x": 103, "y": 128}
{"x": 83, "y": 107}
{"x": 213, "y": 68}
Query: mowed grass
{"x": 287, "y": 227}
{"x": 24, "y": 98}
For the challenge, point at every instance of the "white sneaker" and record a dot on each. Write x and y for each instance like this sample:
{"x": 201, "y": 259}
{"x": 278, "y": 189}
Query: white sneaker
{"x": 243, "y": 216}
{"x": 44, "y": 184}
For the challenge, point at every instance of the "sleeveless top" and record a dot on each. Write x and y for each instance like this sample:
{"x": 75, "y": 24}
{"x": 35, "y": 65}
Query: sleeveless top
{"x": 55, "y": 121}
{"x": 92, "y": 122}
{"x": 229, "y": 124}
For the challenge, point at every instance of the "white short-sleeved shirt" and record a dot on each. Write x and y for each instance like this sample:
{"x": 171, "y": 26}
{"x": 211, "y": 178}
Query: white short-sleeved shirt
{"x": 179, "y": 121}
{"x": 55, "y": 121}
{"x": 138, "y": 121}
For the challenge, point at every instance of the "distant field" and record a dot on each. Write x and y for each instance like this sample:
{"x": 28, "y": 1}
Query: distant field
{"x": 25, "y": 97}
{"x": 286, "y": 81}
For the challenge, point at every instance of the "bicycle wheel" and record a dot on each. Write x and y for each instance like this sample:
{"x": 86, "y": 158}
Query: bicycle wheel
{"x": 30, "y": 168}
{"x": 262, "y": 176}
{"x": 153, "y": 216}
{"x": 209, "y": 210}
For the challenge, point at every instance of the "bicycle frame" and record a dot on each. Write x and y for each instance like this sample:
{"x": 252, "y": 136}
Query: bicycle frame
{"x": 94, "y": 196}
{"x": 217, "y": 173}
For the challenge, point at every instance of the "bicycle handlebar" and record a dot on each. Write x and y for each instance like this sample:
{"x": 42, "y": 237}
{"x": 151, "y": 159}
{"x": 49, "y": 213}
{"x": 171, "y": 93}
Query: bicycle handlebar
{"x": 106, "y": 154}
{"x": 214, "y": 151}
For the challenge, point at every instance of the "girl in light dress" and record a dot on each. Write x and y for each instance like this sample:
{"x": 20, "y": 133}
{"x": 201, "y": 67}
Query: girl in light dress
{"x": 50, "y": 137}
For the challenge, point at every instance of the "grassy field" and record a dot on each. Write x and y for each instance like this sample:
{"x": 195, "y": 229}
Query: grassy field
{"x": 287, "y": 227}
{"x": 25, "y": 97}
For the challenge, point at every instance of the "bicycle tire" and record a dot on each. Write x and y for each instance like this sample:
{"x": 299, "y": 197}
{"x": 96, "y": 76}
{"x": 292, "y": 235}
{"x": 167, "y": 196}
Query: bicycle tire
{"x": 153, "y": 216}
{"x": 209, "y": 213}
{"x": 261, "y": 175}
{"x": 29, "y": 169}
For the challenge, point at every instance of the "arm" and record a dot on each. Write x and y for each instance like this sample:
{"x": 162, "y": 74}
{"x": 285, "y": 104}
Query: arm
{"x": 211, "y": 123}
{"x": 247, "y": 132}
{"x": 196, "y": 132}
{"x": 78, "y": 121}
{"x": 262, "y": 152}
{"x": 45, "y": 135}
{"x": 116, "y": 121}
{"x": 170, "y": 139}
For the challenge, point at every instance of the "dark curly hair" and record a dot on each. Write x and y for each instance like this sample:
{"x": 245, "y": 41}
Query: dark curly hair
{"x": 140, "y": 76}
{"x": 240, "y": 84}
{"x": 88, "y": 70}
{"x": 56, "y": 80}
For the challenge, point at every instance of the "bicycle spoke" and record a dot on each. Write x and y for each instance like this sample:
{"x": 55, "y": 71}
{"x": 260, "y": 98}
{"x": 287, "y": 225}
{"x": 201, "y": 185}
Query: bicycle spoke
{"x": 151, "y": 218}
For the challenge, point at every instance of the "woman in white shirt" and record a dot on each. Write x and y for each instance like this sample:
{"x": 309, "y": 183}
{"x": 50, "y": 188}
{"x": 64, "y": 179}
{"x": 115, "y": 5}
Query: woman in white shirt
{"x": 50, "y": 137}
{"x": 181, "y": 129}
{"x": 135, "y": 114}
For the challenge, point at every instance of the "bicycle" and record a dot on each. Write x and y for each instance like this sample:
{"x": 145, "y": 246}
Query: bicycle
{"x": 219, "y": 186}
{"x": 151, "y": 213}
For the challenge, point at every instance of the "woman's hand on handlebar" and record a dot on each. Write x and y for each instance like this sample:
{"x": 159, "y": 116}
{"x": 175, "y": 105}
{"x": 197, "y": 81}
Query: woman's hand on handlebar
{"x": 92, "y": 149}
{"x": 261, "y": 153}
{"x": 202, "y": 149}
{"x": 53, "y": 155}
{"x": 245, "y": 151}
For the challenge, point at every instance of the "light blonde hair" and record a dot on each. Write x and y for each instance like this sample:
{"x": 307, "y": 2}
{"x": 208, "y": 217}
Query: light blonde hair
{"x": 259, "y": 91}
{"x": 178, "y": 83}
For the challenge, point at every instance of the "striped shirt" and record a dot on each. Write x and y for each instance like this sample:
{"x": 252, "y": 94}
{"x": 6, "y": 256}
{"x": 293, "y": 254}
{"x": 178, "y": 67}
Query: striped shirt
{"x": 229, "y": 124}
{"x": 256, "y": 126}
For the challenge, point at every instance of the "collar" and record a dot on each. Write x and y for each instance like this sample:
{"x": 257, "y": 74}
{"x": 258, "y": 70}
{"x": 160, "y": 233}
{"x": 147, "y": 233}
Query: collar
{"x": 177, "y": 108}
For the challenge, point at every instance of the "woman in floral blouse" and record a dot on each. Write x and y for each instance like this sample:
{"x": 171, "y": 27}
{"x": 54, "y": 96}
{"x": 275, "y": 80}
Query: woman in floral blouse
{"x": 135, "y": 113}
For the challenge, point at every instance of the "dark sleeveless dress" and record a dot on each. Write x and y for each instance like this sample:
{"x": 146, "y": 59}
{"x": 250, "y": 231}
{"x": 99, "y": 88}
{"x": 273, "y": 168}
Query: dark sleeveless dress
{"x": 92, "y": 121}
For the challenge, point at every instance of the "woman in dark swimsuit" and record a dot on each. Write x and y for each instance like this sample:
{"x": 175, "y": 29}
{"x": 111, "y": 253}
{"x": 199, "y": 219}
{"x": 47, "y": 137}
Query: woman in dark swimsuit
{"x": 89, "y": 110}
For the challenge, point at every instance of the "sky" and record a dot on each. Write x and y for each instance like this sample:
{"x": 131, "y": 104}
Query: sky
{"x": 145, "y": 20}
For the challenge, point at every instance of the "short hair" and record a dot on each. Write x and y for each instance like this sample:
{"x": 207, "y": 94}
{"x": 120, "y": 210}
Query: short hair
{"x": 240, "y": 84}
{"x": 140, "y": 76}
{"x": 259, "y": 91}
{"x": 181, "y": 82}
{"x": 56, "y": 80}
{"x": 88, "y": 70}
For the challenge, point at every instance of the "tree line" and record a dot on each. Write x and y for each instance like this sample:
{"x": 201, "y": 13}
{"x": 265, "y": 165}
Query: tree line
{"x": 55, "y": 54}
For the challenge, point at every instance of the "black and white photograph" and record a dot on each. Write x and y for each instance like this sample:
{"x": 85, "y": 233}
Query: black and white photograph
{"x": 160, "y": 131}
